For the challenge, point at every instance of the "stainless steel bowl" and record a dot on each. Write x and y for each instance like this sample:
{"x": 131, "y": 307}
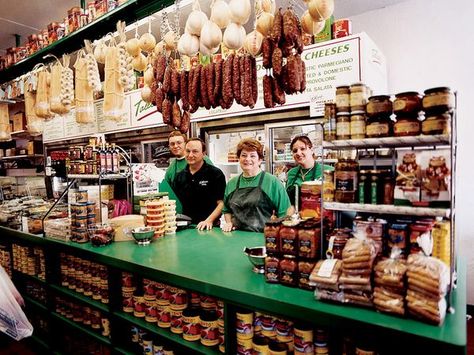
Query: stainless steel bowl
{"x": 256, "y": 256}
{"x": 143, "y": 235}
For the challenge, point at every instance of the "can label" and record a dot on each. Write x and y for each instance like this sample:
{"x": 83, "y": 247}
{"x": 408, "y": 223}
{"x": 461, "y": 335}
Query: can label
{"x": 244, "y": 325}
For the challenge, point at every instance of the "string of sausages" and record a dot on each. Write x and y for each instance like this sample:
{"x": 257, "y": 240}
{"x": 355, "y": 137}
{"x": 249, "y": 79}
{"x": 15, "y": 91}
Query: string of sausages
{"x": 218, "y": 83}
{"x": 281, "y": 49}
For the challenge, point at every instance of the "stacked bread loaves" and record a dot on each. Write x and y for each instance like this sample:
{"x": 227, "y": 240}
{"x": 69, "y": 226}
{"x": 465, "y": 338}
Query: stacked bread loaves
{"x": 428, "y": 280}
{"x": 357, "y": 260}
{"x": 389, "y": 291}
{"x": 325, "y": 278}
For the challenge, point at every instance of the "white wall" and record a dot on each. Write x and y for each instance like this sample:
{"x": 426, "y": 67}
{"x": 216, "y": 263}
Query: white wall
{"x": 430, "y": 43}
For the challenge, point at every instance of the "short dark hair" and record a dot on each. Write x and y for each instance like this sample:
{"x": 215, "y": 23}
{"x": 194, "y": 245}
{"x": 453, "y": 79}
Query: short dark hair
{"x": 250, "y": 144}
{"x": 303, "y": 139}
{"x": 196, "y": 139}
{"x": 176, "y": 133}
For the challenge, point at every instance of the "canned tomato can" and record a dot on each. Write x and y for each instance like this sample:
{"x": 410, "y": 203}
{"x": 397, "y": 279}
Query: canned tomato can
{"x": 341, "y": 28}
{"x": 209, "y": 329}
{"x": 191, "y": 325}
{"x": 164, "y": 317}
{"x": 244, "y": 324}
{"x": 178, "y": 298}
{"x": 176, "y": 321}
{"x": 260, "y": 345}
{"x": 303, "y": 339}
{"x": 139, "y": 306}
{"x": 151, "y": 314}
{"x": 244, "y": 346}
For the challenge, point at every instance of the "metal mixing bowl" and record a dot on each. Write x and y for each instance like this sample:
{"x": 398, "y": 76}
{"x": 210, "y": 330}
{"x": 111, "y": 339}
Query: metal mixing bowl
{"x": 256, "y": 256}
{"x": 143, "y": 235}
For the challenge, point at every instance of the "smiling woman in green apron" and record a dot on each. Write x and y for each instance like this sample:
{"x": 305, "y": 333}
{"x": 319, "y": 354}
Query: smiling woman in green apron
{"x": 251, "y": 198}
{"x": 307, "y": 169}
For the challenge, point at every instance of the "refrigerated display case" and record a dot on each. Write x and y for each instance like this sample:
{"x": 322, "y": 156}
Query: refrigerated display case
{"x": 278, "y": 138}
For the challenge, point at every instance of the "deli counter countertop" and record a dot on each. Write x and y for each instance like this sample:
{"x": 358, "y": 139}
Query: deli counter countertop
{"x": 213, "y": 262}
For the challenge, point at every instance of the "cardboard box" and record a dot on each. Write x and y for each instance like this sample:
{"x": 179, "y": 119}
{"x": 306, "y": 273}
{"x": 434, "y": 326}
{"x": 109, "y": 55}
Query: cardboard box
{"x": 106, "y": 192}
{"x": 436, "y": 178}
{"x": 19, "y": 121}
{"x": 408, "y": 183}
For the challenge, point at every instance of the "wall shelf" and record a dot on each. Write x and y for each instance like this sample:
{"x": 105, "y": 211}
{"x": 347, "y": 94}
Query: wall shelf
{"x": 35, "y": 303}
{"x": 388, "y": 209}
{"x": 390, "y": 142}
{"x": 81, "y": 328}
{"x": 23, "y": 156}
{"x": 23, "y": 276}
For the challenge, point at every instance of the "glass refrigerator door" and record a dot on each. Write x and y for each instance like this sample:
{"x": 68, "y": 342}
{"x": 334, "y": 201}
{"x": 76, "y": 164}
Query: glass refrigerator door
{"x": 279, "y": 136}
{"x": 222, "y": 149}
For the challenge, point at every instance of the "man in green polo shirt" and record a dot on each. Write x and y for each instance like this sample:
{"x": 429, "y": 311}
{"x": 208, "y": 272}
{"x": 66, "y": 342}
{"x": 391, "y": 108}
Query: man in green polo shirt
{"x": 177, "y": 142}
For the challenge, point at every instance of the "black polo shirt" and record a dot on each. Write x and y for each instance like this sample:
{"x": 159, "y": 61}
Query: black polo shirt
{"x": 199, "y": 192}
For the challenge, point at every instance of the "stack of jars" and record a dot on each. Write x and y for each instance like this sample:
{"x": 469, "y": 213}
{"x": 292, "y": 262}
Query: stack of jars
{"x": 155, "y": 217}
{"x": 292, "y": 251}
{"x": 29, "y": 260}
{"x": 437, "y": 104}
{"x": 5, "y": 259}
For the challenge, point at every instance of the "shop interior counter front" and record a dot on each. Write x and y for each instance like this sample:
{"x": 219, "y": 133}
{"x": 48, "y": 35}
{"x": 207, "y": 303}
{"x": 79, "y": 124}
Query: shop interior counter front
{"x": 213, "y": 262}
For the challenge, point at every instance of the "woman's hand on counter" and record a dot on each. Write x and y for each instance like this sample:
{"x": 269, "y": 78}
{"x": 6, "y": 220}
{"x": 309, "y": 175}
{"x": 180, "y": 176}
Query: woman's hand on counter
{"x": 227, "y": 227}
{"x": 204, "y": 225}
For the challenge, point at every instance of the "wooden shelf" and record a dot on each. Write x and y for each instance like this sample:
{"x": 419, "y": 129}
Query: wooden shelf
{"x": 388, "y": 209}
{"x": 195, "y": 346}
{"x": 390, "y": 142}
{"x": 23, "y": 156}
{"x": 78, "y": 296}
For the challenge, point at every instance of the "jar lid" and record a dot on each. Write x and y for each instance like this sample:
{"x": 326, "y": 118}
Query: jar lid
{"x": 407, "y": 93}
{"x": 286, "y": 256}
{"x": 358, "y": 112}
{"x": 359, "y": 83}
{"x": 441, "y": 88}
{"x": 342, "y": 87}
{"x": 379, "y": 97}
{"x": 344, "y": 113}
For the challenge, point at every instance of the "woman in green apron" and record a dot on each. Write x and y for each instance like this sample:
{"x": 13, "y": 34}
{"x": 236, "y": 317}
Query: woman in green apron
{"x": 307, "y": 169}
{"x": 251, "y": 198}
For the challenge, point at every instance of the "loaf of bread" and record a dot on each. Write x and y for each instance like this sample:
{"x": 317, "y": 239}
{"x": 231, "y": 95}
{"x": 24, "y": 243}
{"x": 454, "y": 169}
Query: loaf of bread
{"x": 321, "y": 281}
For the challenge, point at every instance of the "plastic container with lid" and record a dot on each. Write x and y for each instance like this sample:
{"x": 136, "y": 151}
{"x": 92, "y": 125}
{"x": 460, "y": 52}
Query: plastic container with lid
{"x": 407, "y": 103}
{"x": 358, "y": 123}
{"x": 346, "y": 180}
{"x": 406, "y": 126}
{"x": 378, "y": 126}
{"x": 379, "y": 105}
{"x": 343, "y": 94}
{"x": 343, "y": 125}
{"x": 438, "y": 100}
{"x": 437, "y": 124}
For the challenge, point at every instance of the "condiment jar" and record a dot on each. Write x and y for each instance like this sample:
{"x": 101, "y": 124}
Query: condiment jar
{"x": 379, "y": 106}
{"x": 328, "y": 185}
{"x": 438, "y": 100}
{"x": 406, "y": 126}
{"x": 378, "y": 126}
{"x": 346, "y": 180}
{"x": 358, "y": 98}
{"x": 288, "y": 239}
{"x": 289, "y": 270}
{"x": 363, "y": 190}
{"x": 304, "y": 271}
{"x": 357, "y": 125}
{"x": 329, "y": 121}
{"x": 437, "y": 124}
{"x": 388, "y": 190}
{"x": 271, "y": 233}
{"x": 272, "y": 269}
{"x": 337, "y": 242}
{"x": 408, "y": 103}
{"x": 343, "y": 125}
{"x": 343, "y": 98}
{"x": 309, "y": 234}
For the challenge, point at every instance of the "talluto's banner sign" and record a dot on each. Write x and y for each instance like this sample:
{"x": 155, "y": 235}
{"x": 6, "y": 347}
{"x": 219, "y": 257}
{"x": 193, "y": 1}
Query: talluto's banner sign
{"x": 342, "y": 61}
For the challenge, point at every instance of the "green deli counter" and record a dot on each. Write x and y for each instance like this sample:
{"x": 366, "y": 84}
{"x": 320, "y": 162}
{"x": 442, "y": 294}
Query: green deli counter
{"x": 211, "y": 263}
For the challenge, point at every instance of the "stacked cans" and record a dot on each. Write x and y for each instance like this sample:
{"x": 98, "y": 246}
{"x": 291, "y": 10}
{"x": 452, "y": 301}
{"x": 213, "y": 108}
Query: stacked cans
{"x": 5, "y": 260}
{"x": 149, "y": 344}
{"x": 196, "y": 317}
{"x": 82, "y": 217}
{"x": 170, "y": 217}
{"x": 84, "y": 276}
{"x": 29, "y": 260}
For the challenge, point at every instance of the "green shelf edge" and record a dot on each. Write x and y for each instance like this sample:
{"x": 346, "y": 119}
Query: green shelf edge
{"x": 75, "y": 325}
{"x": 131, "y": 11}
{"x": 28, "y": 277}
{"x": 35, "y": 303}
{"x": 254, "y": 293}
{"x": 121, "y": 350}
{"x": 81, "y": 297}
{"x": 39, "y": 341}
{"x": 167, "y": 334}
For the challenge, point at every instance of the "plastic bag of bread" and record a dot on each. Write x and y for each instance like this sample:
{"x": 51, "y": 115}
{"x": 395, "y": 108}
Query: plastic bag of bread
{"x": 359, "y": 298}
{"x": 358, "y": 254}
{"x": 431, "y": 310}
{"x": 427, "y": 275}
{"x": 328, "y": 295}
{"x": 385, "y": 300}
{"x": 391, "y": 272}
{"x": 325, "y": 274}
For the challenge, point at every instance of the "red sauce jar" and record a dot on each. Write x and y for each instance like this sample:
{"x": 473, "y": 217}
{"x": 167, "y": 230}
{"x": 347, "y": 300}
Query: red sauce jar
{"x": 288, "y": 239}
{"x": 289, "y": 271}
{"x": 272, "y": 269}
{"x": 309, "y": 234}
{"x": 272, "y": 236}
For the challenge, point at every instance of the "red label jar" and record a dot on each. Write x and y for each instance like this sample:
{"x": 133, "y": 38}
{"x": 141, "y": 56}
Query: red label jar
{"x": 272, "y": 269}
{"x": 309, "y": 234}
{"x": 271, "y": 233}
{"x": 288, "y": 239}
{"x": 289, "y": 271}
